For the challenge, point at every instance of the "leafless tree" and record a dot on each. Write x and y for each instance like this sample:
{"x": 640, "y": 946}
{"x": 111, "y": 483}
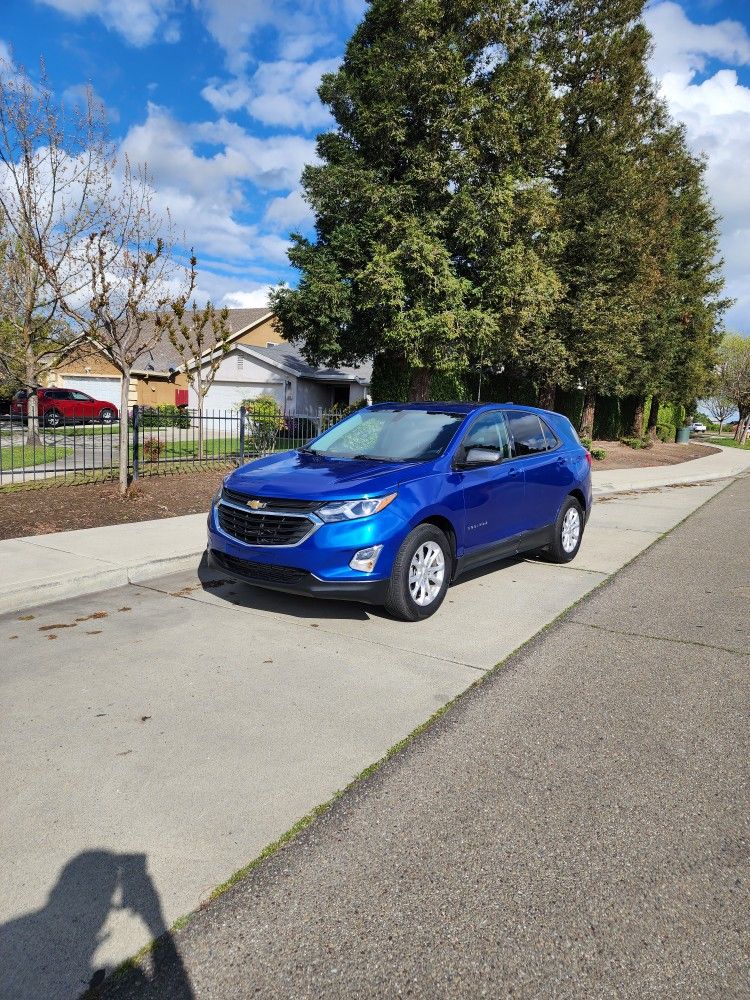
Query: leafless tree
{"x": 54, "y": 166}
{"x": 201, "y": 337}
{"x": 133, "y": 273}
{"x": 720, "y": 407}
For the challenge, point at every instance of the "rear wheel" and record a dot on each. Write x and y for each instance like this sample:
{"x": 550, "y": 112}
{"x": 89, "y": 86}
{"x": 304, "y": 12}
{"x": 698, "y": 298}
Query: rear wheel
{"x": 107, "y": 416}
{"x": 52, "y": 418}
{"x": 568, "y": 533}
{"x": 421, "y": 574}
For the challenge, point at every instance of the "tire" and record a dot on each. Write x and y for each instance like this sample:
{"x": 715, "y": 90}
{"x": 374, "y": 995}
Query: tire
{"x": 107, "y": 416}
{"x": 52, "y": 418}
{"x": 566, "y": 541}
{"x": 410, "y": 600}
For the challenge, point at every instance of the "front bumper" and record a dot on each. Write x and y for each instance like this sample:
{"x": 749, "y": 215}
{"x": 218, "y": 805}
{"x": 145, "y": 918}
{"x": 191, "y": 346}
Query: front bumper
{"x": 318, "y": 565}
{"x": 293, "y": 580}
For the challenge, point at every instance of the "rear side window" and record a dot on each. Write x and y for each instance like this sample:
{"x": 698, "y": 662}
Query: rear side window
{"x": 528, "y": 433}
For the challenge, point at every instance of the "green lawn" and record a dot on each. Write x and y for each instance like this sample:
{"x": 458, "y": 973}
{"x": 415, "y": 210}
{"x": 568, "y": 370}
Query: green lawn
{"x": 728, "y": 442}
{"x": 85, "y": 430}
{"x": 17, "y": 457}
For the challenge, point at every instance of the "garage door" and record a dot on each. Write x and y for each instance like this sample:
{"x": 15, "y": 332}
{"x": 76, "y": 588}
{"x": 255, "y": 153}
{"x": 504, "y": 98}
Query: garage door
{"x": 229, "y": 395}
{"x": 97, "y": 386}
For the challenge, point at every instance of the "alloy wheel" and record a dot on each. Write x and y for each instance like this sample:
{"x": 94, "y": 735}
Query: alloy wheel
{"x": 571, "y": 530}
{"x": 426, "y": 573}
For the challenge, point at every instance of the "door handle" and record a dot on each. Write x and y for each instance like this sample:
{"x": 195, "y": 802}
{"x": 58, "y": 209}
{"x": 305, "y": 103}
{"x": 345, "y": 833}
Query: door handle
{"x": 512, "y": 471}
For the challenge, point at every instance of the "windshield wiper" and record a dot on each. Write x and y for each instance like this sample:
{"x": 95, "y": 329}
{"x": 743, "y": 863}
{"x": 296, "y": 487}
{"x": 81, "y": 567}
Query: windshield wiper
{"x": 307, "y": 450}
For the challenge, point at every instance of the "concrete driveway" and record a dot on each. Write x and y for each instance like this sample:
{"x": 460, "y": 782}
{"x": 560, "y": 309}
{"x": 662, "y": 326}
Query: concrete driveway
{"x": 155, "y": 738}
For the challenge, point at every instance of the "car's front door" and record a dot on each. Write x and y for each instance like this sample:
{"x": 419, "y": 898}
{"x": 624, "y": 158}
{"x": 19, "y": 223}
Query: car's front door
{"x": 494, "y": 492}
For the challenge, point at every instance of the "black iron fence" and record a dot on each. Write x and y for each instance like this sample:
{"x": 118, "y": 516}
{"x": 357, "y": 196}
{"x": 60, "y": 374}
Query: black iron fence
{"x": 159, "y": 440}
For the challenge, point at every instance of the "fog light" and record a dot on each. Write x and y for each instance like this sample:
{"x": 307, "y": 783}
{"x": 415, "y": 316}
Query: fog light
{"x": 365, "y": 559}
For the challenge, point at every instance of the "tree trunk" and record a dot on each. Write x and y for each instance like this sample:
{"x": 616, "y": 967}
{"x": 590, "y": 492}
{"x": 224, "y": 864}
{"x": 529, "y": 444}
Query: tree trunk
{"x": 124, "y": 478}
{"x": 33, "y": 438}
{"x": 636, "y": 427}
{"x": 199, "y": 394}
{"x": 419, "y": 389}
{"x": 740, "y": 423}
{"x": 546, "y": 396}
{"x": 653, "y": 417}
{"x": 745, "y": 428}
{"x": 589, "y": 411}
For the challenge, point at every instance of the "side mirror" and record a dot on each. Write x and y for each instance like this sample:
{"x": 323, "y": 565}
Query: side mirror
{"x": 482, "y": 456}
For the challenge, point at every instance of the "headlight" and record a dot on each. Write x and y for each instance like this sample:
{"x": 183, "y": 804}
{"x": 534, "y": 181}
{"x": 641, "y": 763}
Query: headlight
{"x": 349, "y": 510}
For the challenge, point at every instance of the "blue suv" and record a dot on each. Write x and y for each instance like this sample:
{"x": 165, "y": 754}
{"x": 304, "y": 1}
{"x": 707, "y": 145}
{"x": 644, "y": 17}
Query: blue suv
{"x": 391, "y": 504}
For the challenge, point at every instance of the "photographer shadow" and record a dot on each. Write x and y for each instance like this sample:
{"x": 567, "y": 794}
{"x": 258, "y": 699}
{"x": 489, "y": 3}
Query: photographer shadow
{"x": 50, "y": 952}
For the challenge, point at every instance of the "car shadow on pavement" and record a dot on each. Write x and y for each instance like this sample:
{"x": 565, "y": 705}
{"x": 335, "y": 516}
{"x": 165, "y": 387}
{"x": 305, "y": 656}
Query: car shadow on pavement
{"x": 277, "y": 602}
{"x": 258, "y": 598}
{"x": 50, "y": 952}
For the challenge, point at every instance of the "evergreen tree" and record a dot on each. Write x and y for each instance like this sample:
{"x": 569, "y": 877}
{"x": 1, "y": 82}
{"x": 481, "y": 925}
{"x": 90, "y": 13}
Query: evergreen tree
{"x": 435, "y": 233}
{"x": 597, "y": 57}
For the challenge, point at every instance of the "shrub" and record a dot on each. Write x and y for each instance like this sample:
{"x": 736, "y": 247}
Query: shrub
{"x": 637, "y": 442}
{"x": 264, "y": 420}
{"x": 598, "y": 453}
{"x": 168, "y": 415}
{"x": 152, "y": 449}
{"x": 666, "y": 433}
{"x": 587, "y": 442}
{"x": 300, "y": 428}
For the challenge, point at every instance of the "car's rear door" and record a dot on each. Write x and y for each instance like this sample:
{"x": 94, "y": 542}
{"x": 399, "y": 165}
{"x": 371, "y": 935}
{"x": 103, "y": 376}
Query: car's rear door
{"x": 540, "y": 454}
{"x": 493, "y": 493}
{"x": 82, "y": 407}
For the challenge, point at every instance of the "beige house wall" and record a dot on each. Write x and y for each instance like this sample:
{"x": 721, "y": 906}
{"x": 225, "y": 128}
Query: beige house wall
{"x": 261, "y": 335}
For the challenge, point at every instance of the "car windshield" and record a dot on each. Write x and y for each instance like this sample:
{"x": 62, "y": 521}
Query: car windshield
{"x": 390, "y": 435}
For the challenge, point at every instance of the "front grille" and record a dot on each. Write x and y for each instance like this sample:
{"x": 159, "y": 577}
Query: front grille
{"x": 256, "y": 527}
{"x": 272, "y": 503}
{"x": 265, "y": 572}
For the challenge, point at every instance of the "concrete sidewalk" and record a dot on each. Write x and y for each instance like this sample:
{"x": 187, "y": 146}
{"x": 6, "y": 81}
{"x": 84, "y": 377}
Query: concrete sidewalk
{"x": 44, "y": 568}
{"x": 576, "y": 827}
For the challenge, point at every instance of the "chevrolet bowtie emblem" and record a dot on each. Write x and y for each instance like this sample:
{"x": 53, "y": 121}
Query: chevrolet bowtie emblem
{"x": 256, "y": 504}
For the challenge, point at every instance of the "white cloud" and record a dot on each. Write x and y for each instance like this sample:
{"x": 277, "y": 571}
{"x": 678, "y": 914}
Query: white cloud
{"x": 283, "y": 93}
{"x": 256, "y": 298}
{"x": 683, "y": 46}
{"x": 289, "y": 211}
{"x": 716, "y": 112}
{"x": 300, "y": 26}
{"x": 138, "y": 21}
{"x": 208, "y": 193}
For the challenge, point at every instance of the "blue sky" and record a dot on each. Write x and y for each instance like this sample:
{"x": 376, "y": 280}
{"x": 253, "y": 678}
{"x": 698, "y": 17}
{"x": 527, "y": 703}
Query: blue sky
{"x": 219, "y": 98}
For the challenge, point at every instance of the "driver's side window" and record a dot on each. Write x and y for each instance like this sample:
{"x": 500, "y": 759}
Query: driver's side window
{"x": 489, "y": 431}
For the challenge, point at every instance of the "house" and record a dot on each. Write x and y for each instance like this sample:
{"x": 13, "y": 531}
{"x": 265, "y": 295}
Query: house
{"x": 258, "y": 361}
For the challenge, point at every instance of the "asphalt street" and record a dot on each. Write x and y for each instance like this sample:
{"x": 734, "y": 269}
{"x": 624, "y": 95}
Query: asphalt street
{"x": 576, "y": 826}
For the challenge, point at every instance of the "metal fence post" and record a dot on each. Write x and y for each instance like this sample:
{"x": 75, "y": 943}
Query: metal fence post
{"x": 243, "y": 411}
{"x": 136, "y": 422}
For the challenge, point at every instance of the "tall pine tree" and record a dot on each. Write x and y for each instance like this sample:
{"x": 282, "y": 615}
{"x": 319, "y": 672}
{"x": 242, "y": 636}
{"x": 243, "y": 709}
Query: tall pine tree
{"x": 435, "y": 232}
{"x": 597, "y": 55}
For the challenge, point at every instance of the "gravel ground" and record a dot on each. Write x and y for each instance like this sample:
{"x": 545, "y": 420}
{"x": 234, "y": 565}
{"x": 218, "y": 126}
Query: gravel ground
{"x": 577, "y": 826}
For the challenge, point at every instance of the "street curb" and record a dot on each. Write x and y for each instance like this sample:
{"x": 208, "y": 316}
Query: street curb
{"x": 716, "y": 477}
{"x": 49, "y": 591}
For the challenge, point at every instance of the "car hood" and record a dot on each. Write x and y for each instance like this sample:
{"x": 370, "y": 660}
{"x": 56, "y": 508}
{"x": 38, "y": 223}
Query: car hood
{"x": 299, "y": 476}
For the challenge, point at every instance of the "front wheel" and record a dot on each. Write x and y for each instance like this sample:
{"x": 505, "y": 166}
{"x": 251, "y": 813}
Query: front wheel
{"x": 421, "y": 574}
{"x": 107, "y": 416}
{"x": 568, "y": 533}
{"x": 52, "y": 418}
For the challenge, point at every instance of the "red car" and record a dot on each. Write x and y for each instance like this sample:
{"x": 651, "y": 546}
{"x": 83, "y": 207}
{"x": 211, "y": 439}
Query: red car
{"x": 64, "y": 406}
